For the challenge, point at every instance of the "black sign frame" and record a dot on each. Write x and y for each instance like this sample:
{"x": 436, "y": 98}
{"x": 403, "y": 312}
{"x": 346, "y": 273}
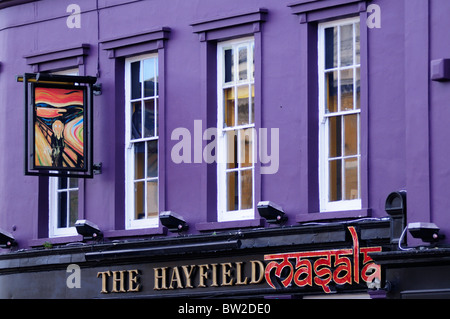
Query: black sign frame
{"x": 84, "y": 84}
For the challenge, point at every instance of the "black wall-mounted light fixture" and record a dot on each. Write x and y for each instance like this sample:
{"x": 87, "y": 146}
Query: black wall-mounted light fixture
{"x": 6, "y": 239}
{"x": 427, "y": 232}
{"x": 174, "y": 222}
{"x": 440, "y": 70}
{"x": 88, "y": 230}
{"x": 272, "y": 212}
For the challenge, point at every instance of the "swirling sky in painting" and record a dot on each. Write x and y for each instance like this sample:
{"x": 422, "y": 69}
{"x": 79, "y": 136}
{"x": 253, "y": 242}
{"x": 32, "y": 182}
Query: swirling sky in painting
{"x": 59, "y": 113}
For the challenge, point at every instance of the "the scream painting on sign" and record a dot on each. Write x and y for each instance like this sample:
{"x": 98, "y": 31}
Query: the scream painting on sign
{"x": 59, "y": 114}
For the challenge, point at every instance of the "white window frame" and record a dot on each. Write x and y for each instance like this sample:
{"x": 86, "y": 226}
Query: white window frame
{"x": 131, "y": 222}
{"x": 324, "y": 184}
{"x": 241, "y": 214}
{"x": 53, "y": 191}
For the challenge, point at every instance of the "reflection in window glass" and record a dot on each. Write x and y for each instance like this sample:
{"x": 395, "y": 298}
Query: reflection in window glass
{"x": 243, "y": 104}
{"x": 136, "y": 85}
{"x": 229, "y": 65}
{"x": 331, "y": 84}
{"x": 229, "y": 100}
{"x": 150, "y": 118}
{"x": 243, "y": 60}
{"x": 246, "y": 189}
{"x": 346, "y": 44}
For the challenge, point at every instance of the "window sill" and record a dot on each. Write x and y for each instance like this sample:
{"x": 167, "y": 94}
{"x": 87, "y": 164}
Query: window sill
{"x": 55, "y": 240}
{"x": 136, "y": 232}
{"x": 107, "y": 234}
{"x": 208, "y": 226}
{"x": 351, "y": 214}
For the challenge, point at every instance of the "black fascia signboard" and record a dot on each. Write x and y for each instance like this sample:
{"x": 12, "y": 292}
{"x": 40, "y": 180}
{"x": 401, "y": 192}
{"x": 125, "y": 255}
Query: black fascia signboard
{"x": 58, "y": 125}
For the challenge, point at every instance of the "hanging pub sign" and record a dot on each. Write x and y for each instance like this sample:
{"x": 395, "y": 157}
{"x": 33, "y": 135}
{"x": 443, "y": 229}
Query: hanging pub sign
{"x": 59, "y": 125}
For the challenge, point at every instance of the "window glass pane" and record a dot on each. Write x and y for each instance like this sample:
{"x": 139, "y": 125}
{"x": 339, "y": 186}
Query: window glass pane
{"x": 243, "y": 104}
{"x": 246, "y": 147}
{"x": 252, "y": 120}
{"x": 136, "y": 120}
{"x": 253, "y": 62}
{"x": 229, "y": 65}
{"x": 229, "y": 107}
{"x": 139, "y": 200}
{"x": 66, "y": 210}
{"x": 347, "y": 90}
{"x": 331, "y": 48}
{"x": 156, "y": 77}
{"x": 232, "y": 154}
{"x": 346, "y": 39}
{"x": 139, "y": 160}
{"x": 73, "y": 182}
{"x": 149, "y": 77}
{"x": 62, "y": 208}
{"x": 152, "y": 161}
{"x": 335, "y": 133}
{"x": 335, "y": 172}
{"x": 152, "y": 199}
{"x": 331, "y": 97}
{"x": 62, "y": 183}
{"x": 357, "y": 43}
{"x": 351, "y": 179}
{"x": 149, "y": 118}
{"x": 232, "y": 191}
{"x": 243, "y": 64}
{"x": 358, "y": 88}
{"x": 156, "y": 115}
{"x": 351, "y": 134}
{"x": 73, "y": 213}
{"x": 247, "y": 189}
{"x": 135, "y": 80}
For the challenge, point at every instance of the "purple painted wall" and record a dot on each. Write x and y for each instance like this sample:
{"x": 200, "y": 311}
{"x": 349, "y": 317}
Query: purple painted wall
{"x": 406, "y": 140}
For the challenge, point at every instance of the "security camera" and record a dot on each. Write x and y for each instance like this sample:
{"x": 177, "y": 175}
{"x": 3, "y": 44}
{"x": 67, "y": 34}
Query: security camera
{"x": 272, "y": 212}
{"x": 6, "y": 239}
{"x": 174, "y": 222}
{"x": 88, "y": 229}
{"x": 428, "y": 232}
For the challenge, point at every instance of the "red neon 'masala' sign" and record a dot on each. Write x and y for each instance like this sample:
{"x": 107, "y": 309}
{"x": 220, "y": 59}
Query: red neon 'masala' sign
{"x": 322, "y": 268}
